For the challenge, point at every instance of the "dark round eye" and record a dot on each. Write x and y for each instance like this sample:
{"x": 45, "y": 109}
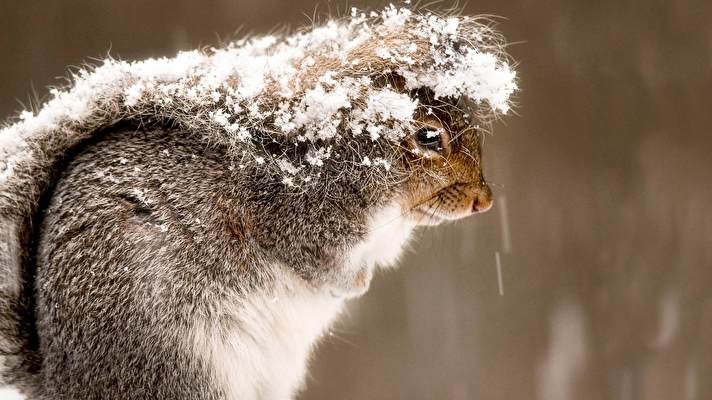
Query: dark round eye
{"x": 429, "y": 138}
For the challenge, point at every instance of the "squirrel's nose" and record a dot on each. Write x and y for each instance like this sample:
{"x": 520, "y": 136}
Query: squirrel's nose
{"x": 483, "y": 199}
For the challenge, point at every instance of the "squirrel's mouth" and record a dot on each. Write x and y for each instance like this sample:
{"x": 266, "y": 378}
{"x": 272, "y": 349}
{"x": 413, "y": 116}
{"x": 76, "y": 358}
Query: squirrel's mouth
{"x": 453, "y": 202}
{"x": 426, "y": 217}
{"x": 430, "y": 216}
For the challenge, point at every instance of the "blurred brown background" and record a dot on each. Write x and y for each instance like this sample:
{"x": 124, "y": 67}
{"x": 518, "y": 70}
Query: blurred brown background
{"x": 601, "y": 221}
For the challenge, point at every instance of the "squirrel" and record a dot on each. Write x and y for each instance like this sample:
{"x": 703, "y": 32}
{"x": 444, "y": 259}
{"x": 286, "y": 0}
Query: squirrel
{"x": 189, "y": 227}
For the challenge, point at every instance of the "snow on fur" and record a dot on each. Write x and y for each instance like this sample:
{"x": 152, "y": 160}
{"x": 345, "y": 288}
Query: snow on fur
{"x": 315, "y": 86}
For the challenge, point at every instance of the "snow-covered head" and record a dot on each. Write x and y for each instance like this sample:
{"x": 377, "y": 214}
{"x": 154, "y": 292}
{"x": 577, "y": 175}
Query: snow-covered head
{"x": 340, "y": 93}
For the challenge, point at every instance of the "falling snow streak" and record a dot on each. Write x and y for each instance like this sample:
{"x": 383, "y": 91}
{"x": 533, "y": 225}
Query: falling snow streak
{"x": 500, "y": 286}
{"x": 504, "y": 222}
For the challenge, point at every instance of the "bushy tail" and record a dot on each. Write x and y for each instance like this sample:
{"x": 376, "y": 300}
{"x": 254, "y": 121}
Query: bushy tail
{"x": 30, "y": 159}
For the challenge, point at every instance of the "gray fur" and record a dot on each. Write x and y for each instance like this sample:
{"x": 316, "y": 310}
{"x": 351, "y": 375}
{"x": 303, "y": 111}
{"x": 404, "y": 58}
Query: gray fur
{"x": 131, "y": 217}
{"x": 145, "y": 231}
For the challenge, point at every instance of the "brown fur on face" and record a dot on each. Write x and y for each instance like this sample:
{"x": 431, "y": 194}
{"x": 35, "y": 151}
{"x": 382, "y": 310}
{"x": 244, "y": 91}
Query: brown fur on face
{"x": 448, "y": 182}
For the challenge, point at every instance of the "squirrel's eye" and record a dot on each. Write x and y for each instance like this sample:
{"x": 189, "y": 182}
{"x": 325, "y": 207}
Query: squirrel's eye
{"x": 429, "y": 138}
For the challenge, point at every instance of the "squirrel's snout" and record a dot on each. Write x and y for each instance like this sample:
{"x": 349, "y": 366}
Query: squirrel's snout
{"x": 452, "y": 202}
{"x": 482, "y": 200}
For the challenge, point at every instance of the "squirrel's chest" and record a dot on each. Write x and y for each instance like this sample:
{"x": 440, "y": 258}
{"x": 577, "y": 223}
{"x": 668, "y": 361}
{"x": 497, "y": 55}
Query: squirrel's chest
{"x": 262, "y": 352}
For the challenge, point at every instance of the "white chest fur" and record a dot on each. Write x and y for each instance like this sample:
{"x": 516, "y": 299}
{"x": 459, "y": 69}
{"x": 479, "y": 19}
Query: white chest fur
{"x": 388, "y": 232}
{"x": 263, "y": 352}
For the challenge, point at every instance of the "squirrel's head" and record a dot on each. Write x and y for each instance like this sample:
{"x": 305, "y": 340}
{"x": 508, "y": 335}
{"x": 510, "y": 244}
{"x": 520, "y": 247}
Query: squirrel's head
{"x": 392, "y": 104}
{"x": 443, "y": 156}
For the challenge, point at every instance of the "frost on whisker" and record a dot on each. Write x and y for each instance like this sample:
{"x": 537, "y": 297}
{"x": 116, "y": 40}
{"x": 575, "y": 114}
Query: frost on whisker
{"x": 336, "y": 94}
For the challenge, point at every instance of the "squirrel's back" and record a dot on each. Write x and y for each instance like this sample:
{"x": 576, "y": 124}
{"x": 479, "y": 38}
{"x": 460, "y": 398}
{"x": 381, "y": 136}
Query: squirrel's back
{"x": 144, "y": 237}
{"x": 118, "y": 250}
